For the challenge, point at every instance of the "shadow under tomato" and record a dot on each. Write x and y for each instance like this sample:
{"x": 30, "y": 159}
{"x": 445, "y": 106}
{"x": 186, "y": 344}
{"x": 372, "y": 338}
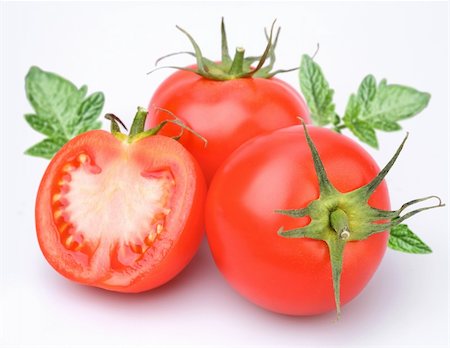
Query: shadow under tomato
{"x": 201, "y": 283}
{"x": 196, "y": 275}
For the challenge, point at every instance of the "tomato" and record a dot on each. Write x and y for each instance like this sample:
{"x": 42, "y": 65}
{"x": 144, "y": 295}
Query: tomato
{"x": 227, "y": 113}
{"x": 273, "y": 172}
{"x": 124, "y": 216}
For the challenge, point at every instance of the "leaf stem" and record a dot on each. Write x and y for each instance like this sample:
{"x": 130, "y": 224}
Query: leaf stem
{"x": 338, "y": 128}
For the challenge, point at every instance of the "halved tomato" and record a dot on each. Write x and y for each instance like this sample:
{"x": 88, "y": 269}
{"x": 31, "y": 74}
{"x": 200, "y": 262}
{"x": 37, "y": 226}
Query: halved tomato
{"x": 120, "y": 215}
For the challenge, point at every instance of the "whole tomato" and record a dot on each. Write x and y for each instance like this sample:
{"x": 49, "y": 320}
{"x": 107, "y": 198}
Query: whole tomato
{"x": 227, "y": 102}
{"x": 272, "y": 184}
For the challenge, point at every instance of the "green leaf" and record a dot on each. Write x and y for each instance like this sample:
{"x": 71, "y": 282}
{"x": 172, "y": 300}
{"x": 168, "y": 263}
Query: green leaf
{"x": 62, "y": 111}
{"x": 46, "y": 148}
{"x": 40, "y": 124}
{"x": 380, "y": 107}
{"x": 403, "y": 239}
{"x": 367, "y": 91}
{"x": 362, "y": 130}
{"x": 352, "y": 110}
{"x": 92, "y": 106}
{"x": 52, "y": 98}
{"x": 389, "y": 103}
{"x": 385, "y": 125}
{"x": 89, "y": 111}
{"x": 396, "y": 102}
{"x": 318, "y": 94}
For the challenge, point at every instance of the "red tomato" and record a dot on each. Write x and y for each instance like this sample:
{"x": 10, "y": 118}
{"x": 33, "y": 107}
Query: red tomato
{"x": 226, "y": 113}
{"x": 120, "y": 216}
{"x": 276, "y": 171}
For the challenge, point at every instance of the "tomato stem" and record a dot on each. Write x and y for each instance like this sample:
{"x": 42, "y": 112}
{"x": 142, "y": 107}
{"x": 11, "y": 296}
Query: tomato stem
{"x": 138, "y": 123}
{"x": 339, "y": 127}
{"x": 238, "y": 62}
{"x": 339, "y": 222}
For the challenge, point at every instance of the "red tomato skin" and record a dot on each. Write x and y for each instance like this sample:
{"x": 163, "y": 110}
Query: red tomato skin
{"x": 162, "y": 152}
{"x": 226, "y": 113}
{"x": 275, "y": 171}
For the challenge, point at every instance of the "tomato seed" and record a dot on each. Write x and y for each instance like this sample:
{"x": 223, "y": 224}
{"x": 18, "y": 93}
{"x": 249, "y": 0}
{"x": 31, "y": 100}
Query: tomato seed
{"x": 137, "y": 248}
{"x": 68, "y": 242}
{"x": 62, "y": 228}
{"x": 150, "y": 238}
{"x": 57, "y": 214}
{"x": 83, "y": 158}
{"x": 56, "y": 197}
{"x": 68, "y": 167}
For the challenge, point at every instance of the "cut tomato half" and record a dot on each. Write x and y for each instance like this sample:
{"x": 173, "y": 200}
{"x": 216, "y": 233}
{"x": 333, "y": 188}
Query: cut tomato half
{"x": 124, "y": 216}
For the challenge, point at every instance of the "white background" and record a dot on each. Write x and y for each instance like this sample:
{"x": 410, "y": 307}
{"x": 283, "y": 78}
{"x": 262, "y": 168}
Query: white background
{"x": 110, "y": 47}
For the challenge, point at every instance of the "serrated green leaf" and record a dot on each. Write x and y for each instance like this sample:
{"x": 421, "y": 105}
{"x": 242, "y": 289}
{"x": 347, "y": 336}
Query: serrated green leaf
{"x": 364, "y": 132}
{"x": 380, "y": 108}
{"x": 83, "y": 91}
{"x": 62, "y": 111}
{"x": 385, "y": 125}
{"x": 401, "y": 238}
{"x": 46, "y": 148}
{"x": 90, "y": 110}
{"x": 393, "y": 103}
{"x": 73, "y": 123}
{"x": 53, "y": 98}
{"x": 352, "y": 110}
{"x": 92, "y": 106}
{"x": 367, "y": 91}
{"x": 318, "y": 94}
{"x": 40, "y": 124}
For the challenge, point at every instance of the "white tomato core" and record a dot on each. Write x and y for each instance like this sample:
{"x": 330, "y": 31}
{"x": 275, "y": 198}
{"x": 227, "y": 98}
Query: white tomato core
{"x": 117, "y": 212}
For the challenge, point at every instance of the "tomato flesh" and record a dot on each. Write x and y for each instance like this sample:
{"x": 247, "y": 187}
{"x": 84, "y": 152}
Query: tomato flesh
{"x": 111, "y": 215}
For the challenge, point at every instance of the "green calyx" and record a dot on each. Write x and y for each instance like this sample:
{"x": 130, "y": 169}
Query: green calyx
{"x": 137, "y": 131}
{"x": 338, "y": 218}
{"x": 232, "y": 68}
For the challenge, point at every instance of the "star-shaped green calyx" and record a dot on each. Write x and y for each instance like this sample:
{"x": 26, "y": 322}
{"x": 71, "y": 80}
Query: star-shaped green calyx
{"x": 137, "y": 131}
{"x": 337, "y": 218}
{"x": 232, "y": 68}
